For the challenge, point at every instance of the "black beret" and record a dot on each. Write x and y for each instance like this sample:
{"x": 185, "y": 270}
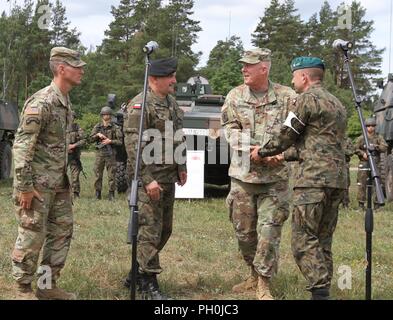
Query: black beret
{"x": 163, "y": 67}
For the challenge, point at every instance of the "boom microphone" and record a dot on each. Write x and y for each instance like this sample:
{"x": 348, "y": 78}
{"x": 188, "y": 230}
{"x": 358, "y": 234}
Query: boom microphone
{"x": 150, "y": 47}
{"x": 342, "y": 44}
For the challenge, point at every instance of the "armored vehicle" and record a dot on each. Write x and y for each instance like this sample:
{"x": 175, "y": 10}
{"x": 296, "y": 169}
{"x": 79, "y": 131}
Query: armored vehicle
{"x": 383, "y": 110}
{"x": 9, "y": 121}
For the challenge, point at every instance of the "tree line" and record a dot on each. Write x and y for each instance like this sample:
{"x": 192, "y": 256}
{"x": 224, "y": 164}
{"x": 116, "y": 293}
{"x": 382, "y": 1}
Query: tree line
{"x": 116, "y": 65}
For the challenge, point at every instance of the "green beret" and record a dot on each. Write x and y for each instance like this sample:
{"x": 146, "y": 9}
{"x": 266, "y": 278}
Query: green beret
{"x": 71, "y": 57}
{"x": 255, "y": 56}
{"x": 163, "y": 67}
{"x": 307, "y": 62}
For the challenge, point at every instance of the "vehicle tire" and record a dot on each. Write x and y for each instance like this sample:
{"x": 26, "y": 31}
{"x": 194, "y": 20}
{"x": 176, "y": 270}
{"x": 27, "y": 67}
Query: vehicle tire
{"x": 389, "y": 178}
{"x": 5, "y": 160}
{"x": 121, "y": 177}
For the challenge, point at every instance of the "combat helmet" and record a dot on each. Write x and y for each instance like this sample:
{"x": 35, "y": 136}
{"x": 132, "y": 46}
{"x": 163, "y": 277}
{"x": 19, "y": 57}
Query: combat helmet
{"x": 106, "y": 110}
{"x": 371, "y": 122}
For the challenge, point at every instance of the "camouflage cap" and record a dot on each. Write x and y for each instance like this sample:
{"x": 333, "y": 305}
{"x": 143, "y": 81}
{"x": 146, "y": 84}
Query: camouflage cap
{"x": 71, "y": 57}
{"x": 370, "y": 122}
{"x": 255, "y": 56}
{"x": 307, "y": 62}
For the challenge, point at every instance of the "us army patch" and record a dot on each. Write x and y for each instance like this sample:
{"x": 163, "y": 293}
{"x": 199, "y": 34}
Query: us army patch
{"x": 31, "y": 124}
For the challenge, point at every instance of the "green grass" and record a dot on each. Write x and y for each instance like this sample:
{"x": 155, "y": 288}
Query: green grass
{"x": 201, "y": 260}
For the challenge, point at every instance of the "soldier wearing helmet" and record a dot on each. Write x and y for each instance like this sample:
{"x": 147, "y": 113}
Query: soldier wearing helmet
{"x": 106, "y": 135}
{"x": 379, "y": 146}
{"x": 76, "y": 141}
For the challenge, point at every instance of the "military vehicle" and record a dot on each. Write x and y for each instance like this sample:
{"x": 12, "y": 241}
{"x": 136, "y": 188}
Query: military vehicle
{"x": 383, "y": 110}
{"x": 9, "y": 121}
{"x": 202, "y": 127}
{"x": 189, "y": 91}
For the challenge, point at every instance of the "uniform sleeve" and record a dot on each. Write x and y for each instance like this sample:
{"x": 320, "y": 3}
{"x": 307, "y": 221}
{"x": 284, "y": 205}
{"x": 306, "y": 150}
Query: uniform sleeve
{"x": 382, "y": 146}
{"x": 237, "y": 138}
{"x": 182, "y": 167}
{"x": 93, "y": 137}
{"x": 118, "y": 136}
{"x": 131, "y": 133}
{"x": 291, "y": 154}
{"x": 292, "y": 128}
{"x": 359, "y": 149}
{"x": 81, "y": 138}
{"x": 33, "y": 117}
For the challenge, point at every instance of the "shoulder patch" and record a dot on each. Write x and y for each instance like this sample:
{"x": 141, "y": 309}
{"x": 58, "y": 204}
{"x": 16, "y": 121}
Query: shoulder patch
{"x": 32, "y": 111}
{"x": 137, "y": 106}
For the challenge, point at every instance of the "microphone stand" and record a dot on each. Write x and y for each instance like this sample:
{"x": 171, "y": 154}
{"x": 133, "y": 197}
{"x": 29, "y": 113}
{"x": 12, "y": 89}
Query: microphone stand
{"x": 132, "y": 233}
{"x": 373, "y": 176}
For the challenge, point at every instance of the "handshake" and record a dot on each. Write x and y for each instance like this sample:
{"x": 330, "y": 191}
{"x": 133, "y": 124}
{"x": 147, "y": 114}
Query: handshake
{"x": 269, "y": 161}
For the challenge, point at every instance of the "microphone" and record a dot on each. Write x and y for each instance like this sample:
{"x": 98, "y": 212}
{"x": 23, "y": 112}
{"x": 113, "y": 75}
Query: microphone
{"x": 342, "y": 44}
{"x": 150, "y": 47}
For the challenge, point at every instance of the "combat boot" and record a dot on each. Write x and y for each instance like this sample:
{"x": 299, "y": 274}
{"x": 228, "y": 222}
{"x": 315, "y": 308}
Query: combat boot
{"x": 151, "y": 289}
{"x": 320, "y": 294}
{"x": 248, "y": 285}
{"x": 111, "y": 196}
{"x": 25, "y": 292}
{"x": 127, "y": 281}
{"x": 98, "y": 194}
{"x": 54, "y": 294}
{"x": 263, "y": 289}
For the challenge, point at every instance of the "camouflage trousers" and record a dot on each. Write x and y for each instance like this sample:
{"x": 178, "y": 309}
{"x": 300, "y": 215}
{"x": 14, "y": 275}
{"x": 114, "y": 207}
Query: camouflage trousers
{"x": 314, "y": 219}
{"x": 362, "y": 181}
{"x": 258, "y": 212}
{"x": 100, "y": 164}
{"x": 346, "y": 199}
{"x": 155, "y": 227}
{"x": 47, "y": 225}
{"x": 75, "y": 173}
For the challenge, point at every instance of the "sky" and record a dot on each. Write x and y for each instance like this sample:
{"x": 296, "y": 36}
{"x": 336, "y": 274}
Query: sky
{"x": 220, "y": 19}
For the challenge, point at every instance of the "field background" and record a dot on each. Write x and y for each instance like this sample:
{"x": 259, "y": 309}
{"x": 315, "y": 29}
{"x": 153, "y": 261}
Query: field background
{"x": 201, "y": 260}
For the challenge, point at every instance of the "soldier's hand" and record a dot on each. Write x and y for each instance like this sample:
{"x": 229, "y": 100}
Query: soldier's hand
{"x": 106, "y": 141}
{"x": 254, "y": 153}
{"x": 25, "y": 198}
{"x": 153, "y": 190}
{"x": 182, "y": 178}
{"x": 365, "y": 156}
{"x": 71, "y": 147}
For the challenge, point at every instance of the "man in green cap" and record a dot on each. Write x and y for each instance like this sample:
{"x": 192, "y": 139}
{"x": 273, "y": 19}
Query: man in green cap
{"x": 76, "y": 142}
{"x": 258, "y": 199}
{"x": 379, "y": 145}
{"x": 162, "y": 166}
{"x": 316, "y": 124}
{"x": 41, "y": 187}
{"x": 107, "y": 136}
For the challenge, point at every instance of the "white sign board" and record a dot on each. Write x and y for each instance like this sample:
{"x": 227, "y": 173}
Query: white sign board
{"x": 194, "y": 188}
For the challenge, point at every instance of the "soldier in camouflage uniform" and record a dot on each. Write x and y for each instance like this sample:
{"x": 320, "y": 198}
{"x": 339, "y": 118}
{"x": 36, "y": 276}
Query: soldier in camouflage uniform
{"x": 379, "y": 144}
{"x": 107, "y": 135}
{"x": 77, "y": 141}
{"x": 316, "y": 124}
{"x": 41, "y": 186}
{"x": 258, "y": 199}
{"x": 349, "y": 149}
{"x": 158, "y": 177}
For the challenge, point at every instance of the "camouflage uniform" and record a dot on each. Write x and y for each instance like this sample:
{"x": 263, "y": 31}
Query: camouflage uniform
{"x": 155, "y": 217}
{"x": 106, "y": 155}
{"x": 258, "y": 200}
{"x": 349, "y": 150}
{"x": 360, "y": 149}
{"x": 76, "y": 136}
{"x": 40, "y": 158}
{"x": 320, "y": 182}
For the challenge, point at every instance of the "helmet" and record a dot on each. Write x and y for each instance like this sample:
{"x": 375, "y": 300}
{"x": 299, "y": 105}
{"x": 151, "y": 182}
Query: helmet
{"x": 106, "y": 110}
{"x": 371, "y": 122}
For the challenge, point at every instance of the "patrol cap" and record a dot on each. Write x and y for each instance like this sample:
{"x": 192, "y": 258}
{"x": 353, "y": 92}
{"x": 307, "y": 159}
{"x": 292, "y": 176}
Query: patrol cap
{"x": 163, "y": 67}
{"x": 307, "y": 62}
{"x": 255, "y": 56}
{"x": 106, "y": 110}
{"x": 71, "y": 57}
{"x": 371, "y": 122}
